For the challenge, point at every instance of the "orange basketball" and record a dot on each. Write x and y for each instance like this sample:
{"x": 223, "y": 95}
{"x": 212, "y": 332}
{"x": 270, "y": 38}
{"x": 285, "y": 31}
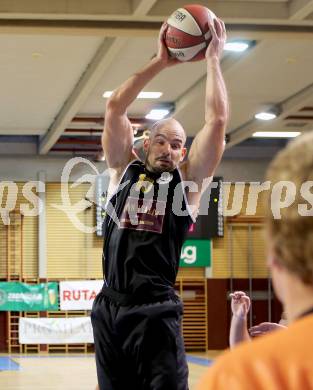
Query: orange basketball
{"x": 188, "y": 33}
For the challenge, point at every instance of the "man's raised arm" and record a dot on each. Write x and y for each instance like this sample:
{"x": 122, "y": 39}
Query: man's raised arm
{"x": 117, "y": 137}
{"x": 208, "y": 145}
{"x": 240, "y": 306}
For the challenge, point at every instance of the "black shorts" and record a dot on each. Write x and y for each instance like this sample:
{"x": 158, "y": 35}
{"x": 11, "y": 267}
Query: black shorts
{"x": 139, "y": 346}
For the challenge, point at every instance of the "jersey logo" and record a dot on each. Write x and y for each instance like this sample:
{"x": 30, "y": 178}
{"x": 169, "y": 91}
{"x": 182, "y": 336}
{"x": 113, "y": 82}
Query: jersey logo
{"x": 144, "y": 183}
{"x": 142, "y": 214}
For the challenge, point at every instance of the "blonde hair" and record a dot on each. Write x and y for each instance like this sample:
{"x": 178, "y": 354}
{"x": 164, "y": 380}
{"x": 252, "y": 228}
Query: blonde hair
{"x": 292, "y": 235}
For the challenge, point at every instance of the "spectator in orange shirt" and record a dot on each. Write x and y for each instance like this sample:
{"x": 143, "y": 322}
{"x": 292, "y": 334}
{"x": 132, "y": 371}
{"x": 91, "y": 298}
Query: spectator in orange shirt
{"x": 281, "y": 360}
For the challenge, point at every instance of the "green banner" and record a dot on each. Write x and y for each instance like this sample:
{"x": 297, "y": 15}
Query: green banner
{"x": 15, "y": 296}
{"x": 196, "y": 253}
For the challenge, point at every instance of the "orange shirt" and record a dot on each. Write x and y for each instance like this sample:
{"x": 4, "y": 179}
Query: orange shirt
{"x": 282, "y": 360}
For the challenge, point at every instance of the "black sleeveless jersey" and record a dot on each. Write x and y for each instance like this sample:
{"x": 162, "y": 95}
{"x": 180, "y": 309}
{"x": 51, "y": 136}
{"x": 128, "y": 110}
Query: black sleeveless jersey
{"x": 144, "y": 229}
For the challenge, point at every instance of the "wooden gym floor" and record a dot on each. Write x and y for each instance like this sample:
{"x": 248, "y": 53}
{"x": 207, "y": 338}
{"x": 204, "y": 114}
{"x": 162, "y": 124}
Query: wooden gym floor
{"x": 68, "y": 372}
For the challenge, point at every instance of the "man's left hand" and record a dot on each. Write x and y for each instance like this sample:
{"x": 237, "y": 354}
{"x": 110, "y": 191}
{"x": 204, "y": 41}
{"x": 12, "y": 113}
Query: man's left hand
{"x": 216, "y": 46}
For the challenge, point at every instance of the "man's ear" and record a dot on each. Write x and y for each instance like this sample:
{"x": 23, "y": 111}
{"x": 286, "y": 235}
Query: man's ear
{"x": 273, "y": 261}
{"x": 183, "y": 153}
{"x": 146, "y": 144}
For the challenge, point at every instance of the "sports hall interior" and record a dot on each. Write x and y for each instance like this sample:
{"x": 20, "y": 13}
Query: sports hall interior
{"x": 57, "y": 61}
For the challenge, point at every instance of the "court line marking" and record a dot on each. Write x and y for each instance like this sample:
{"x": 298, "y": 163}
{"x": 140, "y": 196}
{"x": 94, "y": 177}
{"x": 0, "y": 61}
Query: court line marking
{"x": 7, "y": 364}
{"x": 200, "y": 361}
{"x": 190, "y": 359}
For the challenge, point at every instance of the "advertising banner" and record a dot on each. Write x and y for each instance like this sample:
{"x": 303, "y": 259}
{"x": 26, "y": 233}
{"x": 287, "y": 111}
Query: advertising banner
{"x": 55, "y": 330}
{"x": 79, "y": 294}
{"x": 16, "y": 296}
{"x": 196, "y": 253}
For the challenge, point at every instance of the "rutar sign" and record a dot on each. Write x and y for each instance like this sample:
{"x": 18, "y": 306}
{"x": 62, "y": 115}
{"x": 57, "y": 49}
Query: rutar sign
{"x": 79, "y": 294}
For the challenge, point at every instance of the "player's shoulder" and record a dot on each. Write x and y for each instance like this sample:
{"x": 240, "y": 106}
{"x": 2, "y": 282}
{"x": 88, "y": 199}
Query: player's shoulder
{"x": 132, "y": 166}
{"x": 183, "y": 170}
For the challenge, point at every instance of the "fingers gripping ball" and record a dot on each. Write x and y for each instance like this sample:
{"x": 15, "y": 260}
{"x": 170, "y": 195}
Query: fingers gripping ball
{"x": 188, "y": 33}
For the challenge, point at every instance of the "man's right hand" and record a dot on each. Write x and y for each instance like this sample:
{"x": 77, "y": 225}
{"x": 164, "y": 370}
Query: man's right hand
{"x": 264, "y": 328}
{"x": 163, "y": 55}
{"x": 240, "y": 304}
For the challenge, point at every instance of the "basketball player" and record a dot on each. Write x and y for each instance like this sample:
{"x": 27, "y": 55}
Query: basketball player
{"x": 137, "y": 316}
{"x": 281, "y": 360}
